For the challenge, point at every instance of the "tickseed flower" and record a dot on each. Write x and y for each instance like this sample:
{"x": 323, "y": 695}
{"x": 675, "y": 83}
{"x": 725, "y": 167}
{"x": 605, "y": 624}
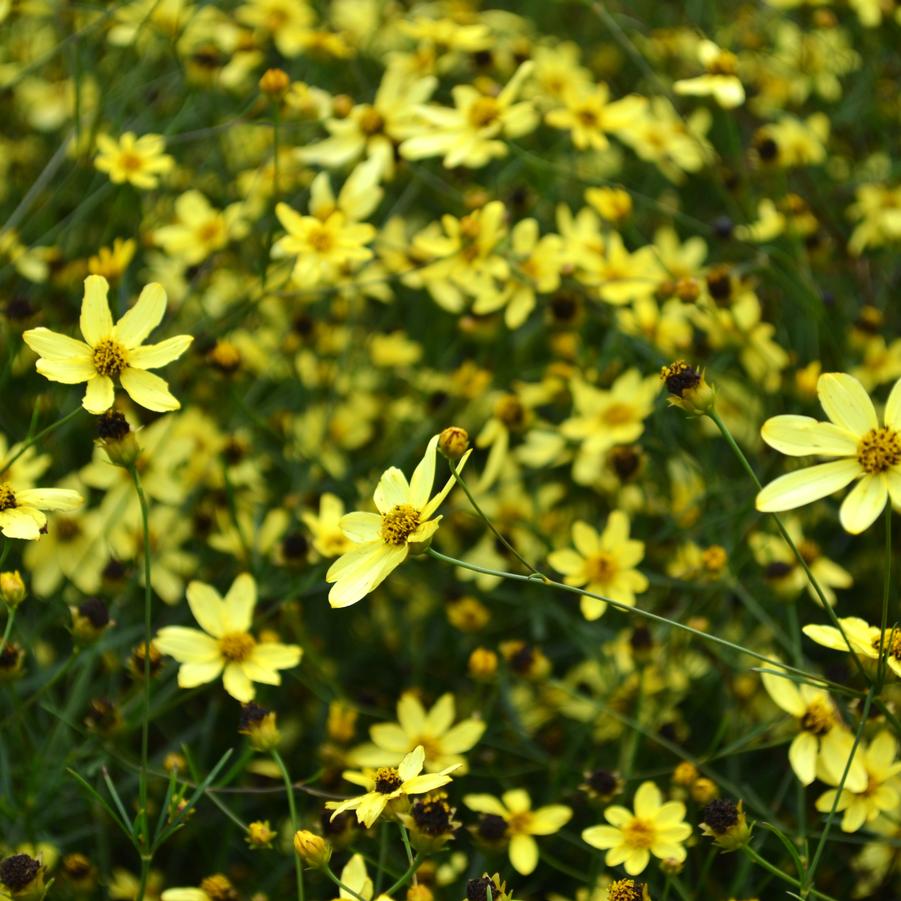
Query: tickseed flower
{"x": 823, "y": 743}
{"x": 139, "y": 161}
{"x": 387, "y": 784}
{"x": 444, "y": 743}
{"x": 21, "y": 509}
{"x": 867, "y": 452}
{"x": 864, "y": 639}
{"x": 214, "y": 888}
{"x": 604, "y": 563}
{"x": 688, "y": 388}
{"x": 312, "y": 849}
{"x": 385, "y": 539}
{"x": 112, "y": 350}
{"x": 225, "y": 646}
{"x": 725, "y": 822}
{"x": 655, "y": 827}
{"x": 879, "y": 795}
{"x": 720, "y": 81}
{"x": 628, "y": 890}
{"x": 514, "y": 807}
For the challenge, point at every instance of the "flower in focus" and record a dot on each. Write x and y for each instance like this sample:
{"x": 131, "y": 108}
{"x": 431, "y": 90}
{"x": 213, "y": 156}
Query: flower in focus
{"x": 387, "y": 784}
{"x": 225, "y": 646}
{"x": 139, "y": 161}
{"x": 112, "y": 350}
{"x": 21, "y": 510}
{"x": 602, "y": 563}
{"x": 383, "y": 540}
{"x": 514, "y": 807}
{"x": 655, "y": 827}
{"x": 867, "y": 452}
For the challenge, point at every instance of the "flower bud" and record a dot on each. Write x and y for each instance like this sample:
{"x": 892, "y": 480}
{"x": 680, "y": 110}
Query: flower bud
{"x": 115, "y": 436}
{"x": 688, "y": 388}
{"x": 724, "y": 821}
{"x": 259, "y": 725}
{"x": 453, "y": 442}
{"x": 23, "y": 877}
{"x": 482, "y": 664}
{"x": 260, "y": 835}
{"x": 275, "y": 82}
{"x": 12, "y": 589}
{"x": 89, "y": 621}
{"x": 312, "y": 849}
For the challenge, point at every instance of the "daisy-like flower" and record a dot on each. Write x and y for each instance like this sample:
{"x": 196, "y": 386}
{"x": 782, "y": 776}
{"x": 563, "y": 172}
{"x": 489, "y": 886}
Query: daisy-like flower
{"x": 655, "y": 827}
{"x": 225, "y": 646}
{"x": 139, "y": 161}
{"x": 866, "y": 452}
{"x": 112, "y": 350}
{"x": 823, "y": 743}
{"x": 879, "y": 795}
{"x": 214, "y": 888}
{"x": 21, "y": 510}
{"x": 515, "y": 808}
{"x": 720, "y": 80}
{"x": 444, "y": 743}
{"x": 383, "y": 540}
{"x": 863, "y": 638}
{"x": 604, "y": 563}
{"x": 388, "y": 784}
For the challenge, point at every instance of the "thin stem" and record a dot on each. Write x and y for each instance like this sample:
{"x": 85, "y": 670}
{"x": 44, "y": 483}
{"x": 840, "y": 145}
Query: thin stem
{"x": 488, "y": 522}
{"x": 414, "y": 864}
{"x": 406, "y": 841}
{"x": 292, "y": 809}
{"x": 836, "y": 622}
{"x": 886, "y": 590}
{"x": 35, "y": 438}
{"x": 328, "y": 872}
{"x": 145, "y": 718}
{"x": 636, "y": 611}
{"x": 10, "y": 619}
{"x": 807, "y": 888}
{"x": 779, "y": 874}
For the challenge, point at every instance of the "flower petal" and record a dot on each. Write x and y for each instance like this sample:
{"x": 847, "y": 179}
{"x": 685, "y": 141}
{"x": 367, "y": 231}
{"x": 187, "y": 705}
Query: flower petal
{"x": 152, "y": 356}
{"x": 237, "y": 683}
{"x": 239, "y": 603}
{"x": 54, "y": 346}
{"x": 187, "y": 645}
{"x": 207, "y": 608}
{"x": 273, "y": 655}
{"x": 523, "y": 854}
{"x": 143, "y": 317}
{"x": 360, "y": 527}
{"x": 50, "y": 498}
{"x": 99, "y": 394}
{"x": 68, "y": 372}
{"x": 846, "y": 402}
{"x": 806, "y": 485}
{"x": 391, "y": 490}
{"x": 412, "y": 764}
{"x": 96, "y": 321}
{"x": 864, "y": 503}
{"x": 190, "y": 675}
{"x": 148, "y": 390}
{"x": 892, "y": 415}
{"x": 424, "y": 476}
{"x": 799, "y": 436}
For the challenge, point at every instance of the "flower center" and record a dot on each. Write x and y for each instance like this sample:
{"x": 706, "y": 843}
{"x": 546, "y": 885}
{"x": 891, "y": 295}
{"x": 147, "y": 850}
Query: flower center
{"x": 639, "y": 833}
{"x": 399, "y": 523}
{"x": 625, "y": 890}
{"x": 617, "y": 414}
{"x": 483, "y": 112}
{"x": 131, "y": 162}
{"x": 371, "y": 122}
{"x": 891, "y": 645}
{"x": 520, "y": 823}
{"x": 387, "y": 780}
{"x": 236, "y": 646}
{"x": 7, "y": 497}
{"x": 109, "y": 357}
{"x": 817, "y": 719}
{"x": 321, "y": 240}
{"x": 601, "y": 567}
{"x": 879, "y": 450}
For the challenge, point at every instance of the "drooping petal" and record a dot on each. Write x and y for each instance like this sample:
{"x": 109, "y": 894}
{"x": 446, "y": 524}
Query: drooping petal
{"x": 143, "y": 317}
{"x": 21, "y": 523}
{"x": 207, "y": 608}
{"x": 864, "y": 503}
{"x": 846, "y": 402}
{"x": 96, "y": 321}
{"x": 806, "y": 485}
{"x": 523, "y": 854}
{"x": 237, "y": 683}
{"x": 239, "y": 603}
{"x": 148, "y": 390}
{"x": 99, "y": 394}
{"x": 386, "y": 558}
{"x": 152, "y": 356}
{"x": 801, "y": 436}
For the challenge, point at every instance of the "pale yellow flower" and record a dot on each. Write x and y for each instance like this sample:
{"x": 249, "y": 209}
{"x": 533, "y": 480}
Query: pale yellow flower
{"x": 137, "y": 160}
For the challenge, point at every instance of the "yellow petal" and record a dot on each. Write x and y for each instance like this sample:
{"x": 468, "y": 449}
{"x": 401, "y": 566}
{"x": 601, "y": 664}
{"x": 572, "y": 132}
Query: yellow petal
{"x": 152, "y": 356}
{"x": 800, "y": 436}
{"x": 237, "y": 684}
{"x": 207, "y": 608}
{"x": 864, "y": 503}
{"x": 239, "y": 603}
{"x": 647, "y": 800}
{"x": 360, "y": 526}
{"x": 523, "y": 854}
{"x": 391, "y": 490}
{"x": 273, "y": 655}
{"x": 99, "y": 394}
{"x": 187, "y": 645}
{"x": 423, "y": 476}
{"x": 482, "y": 803}
{"x": 802, "y": 755}
{"x": 143, "y": 317}
{"x": 412, "y": 763}
{"x": 893, "y": 407}
{"x": 806, "y": 485}
{"x": 550, "y": 819}
{"x": 190, "y": 675}
{"x": 96, "y": 320}
{"x": 846, "y": 402}
{"x": 50, "y": 498}
{"x": 148, "y": 390}
{"x": 54, "y": 346}
{"x": 440, "y": 718}
{"x": 68, "y": 372}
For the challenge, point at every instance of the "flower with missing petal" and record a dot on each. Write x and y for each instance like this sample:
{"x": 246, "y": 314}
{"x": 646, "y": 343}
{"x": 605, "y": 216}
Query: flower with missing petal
{"x": 112, "y": 350}
{"x": 865, "y": 452}
{"x": 225, "y": 646}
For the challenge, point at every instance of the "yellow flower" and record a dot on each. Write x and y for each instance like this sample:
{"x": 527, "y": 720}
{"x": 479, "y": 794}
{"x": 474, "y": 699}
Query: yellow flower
{"x": 879, "y": 795}
{"x": 225, "y": 646}
{"x": 21, "y": 509}
{"x": 389, "y": 784}
{"x": 385, "y": 539}
{"x": 589, "y": 115}
{"x": 720, "y": 82}
{"x": 822, "y": 743}
{"x": 111, "y": 350}
{"x": 515, "y": 808}
{"x": 139, "y": 161}
{"x": 328, "y": 539}
{"x": 864, "y": 639}
{"x": 199, "y": 228}
{"x": 631, "y": 838}
{"x": 604, "y": 563}
{"x": 444, "y": 743}
{"x": 865, "y": 450}
{"x": 111, "y": 262}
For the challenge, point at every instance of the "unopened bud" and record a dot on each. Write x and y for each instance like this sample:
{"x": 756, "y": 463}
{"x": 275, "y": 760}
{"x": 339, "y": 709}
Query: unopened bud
{"x": 312, "y": 849}
{"x": 23, "y": 877}
{"x": 259, "y": 725}
{"x": 724, "y": 821}
{"x": 115, "y": 436}
{"x": 453, "y": 442}
{"x": 275, "y": 82}
{"x": 12, "y": 589}
{"x": 688, "y": 388}
{"x": 482, "y": 664}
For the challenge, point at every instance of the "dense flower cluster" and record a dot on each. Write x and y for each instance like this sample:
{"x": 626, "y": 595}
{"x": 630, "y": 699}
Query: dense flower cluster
{"x": 449, "y": 449}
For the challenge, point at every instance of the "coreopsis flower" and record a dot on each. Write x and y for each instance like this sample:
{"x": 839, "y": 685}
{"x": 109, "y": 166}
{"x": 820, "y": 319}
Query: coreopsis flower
{"x": 879, "y": 795}
{"x": 656, "y": 827}
{"x": 199, "y": 229}
{"x": 521, "y": 823}
{"x": 589, "y": 115}
{"x": 225, "y": 646}
{"x": 112, "y": 350}
{"x": 214, "y": 888}
{"x": 823, "y": 743}
{"x": 444, "y": 743}
{"x": 387, "y": 784}
{"x": 137, "y": 160}
{"x": 720, "y": 80}
{"x": 385, "y": 539}
{"x": 21, "y": 509}
{"x": 865, "y": 640}
{"x": 865, "y": 452}
{"x": 602, "y": 563}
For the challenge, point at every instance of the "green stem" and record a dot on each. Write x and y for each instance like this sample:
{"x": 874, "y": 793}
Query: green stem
{"x": 414, "y": 864}
{"x": 292, "y": 809}
{"x": 739, "y": 453}
{"x": 10, "y": 619}
{"x": 488, "y": 522}
{"x": 886, "y": 591}
{"x": 145, "y": 719}
{"x": 406, "y": 840}
{"x": 328, "y": 872}
{"x": 779, "y": 874}
{"x": 35, "y": 438}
